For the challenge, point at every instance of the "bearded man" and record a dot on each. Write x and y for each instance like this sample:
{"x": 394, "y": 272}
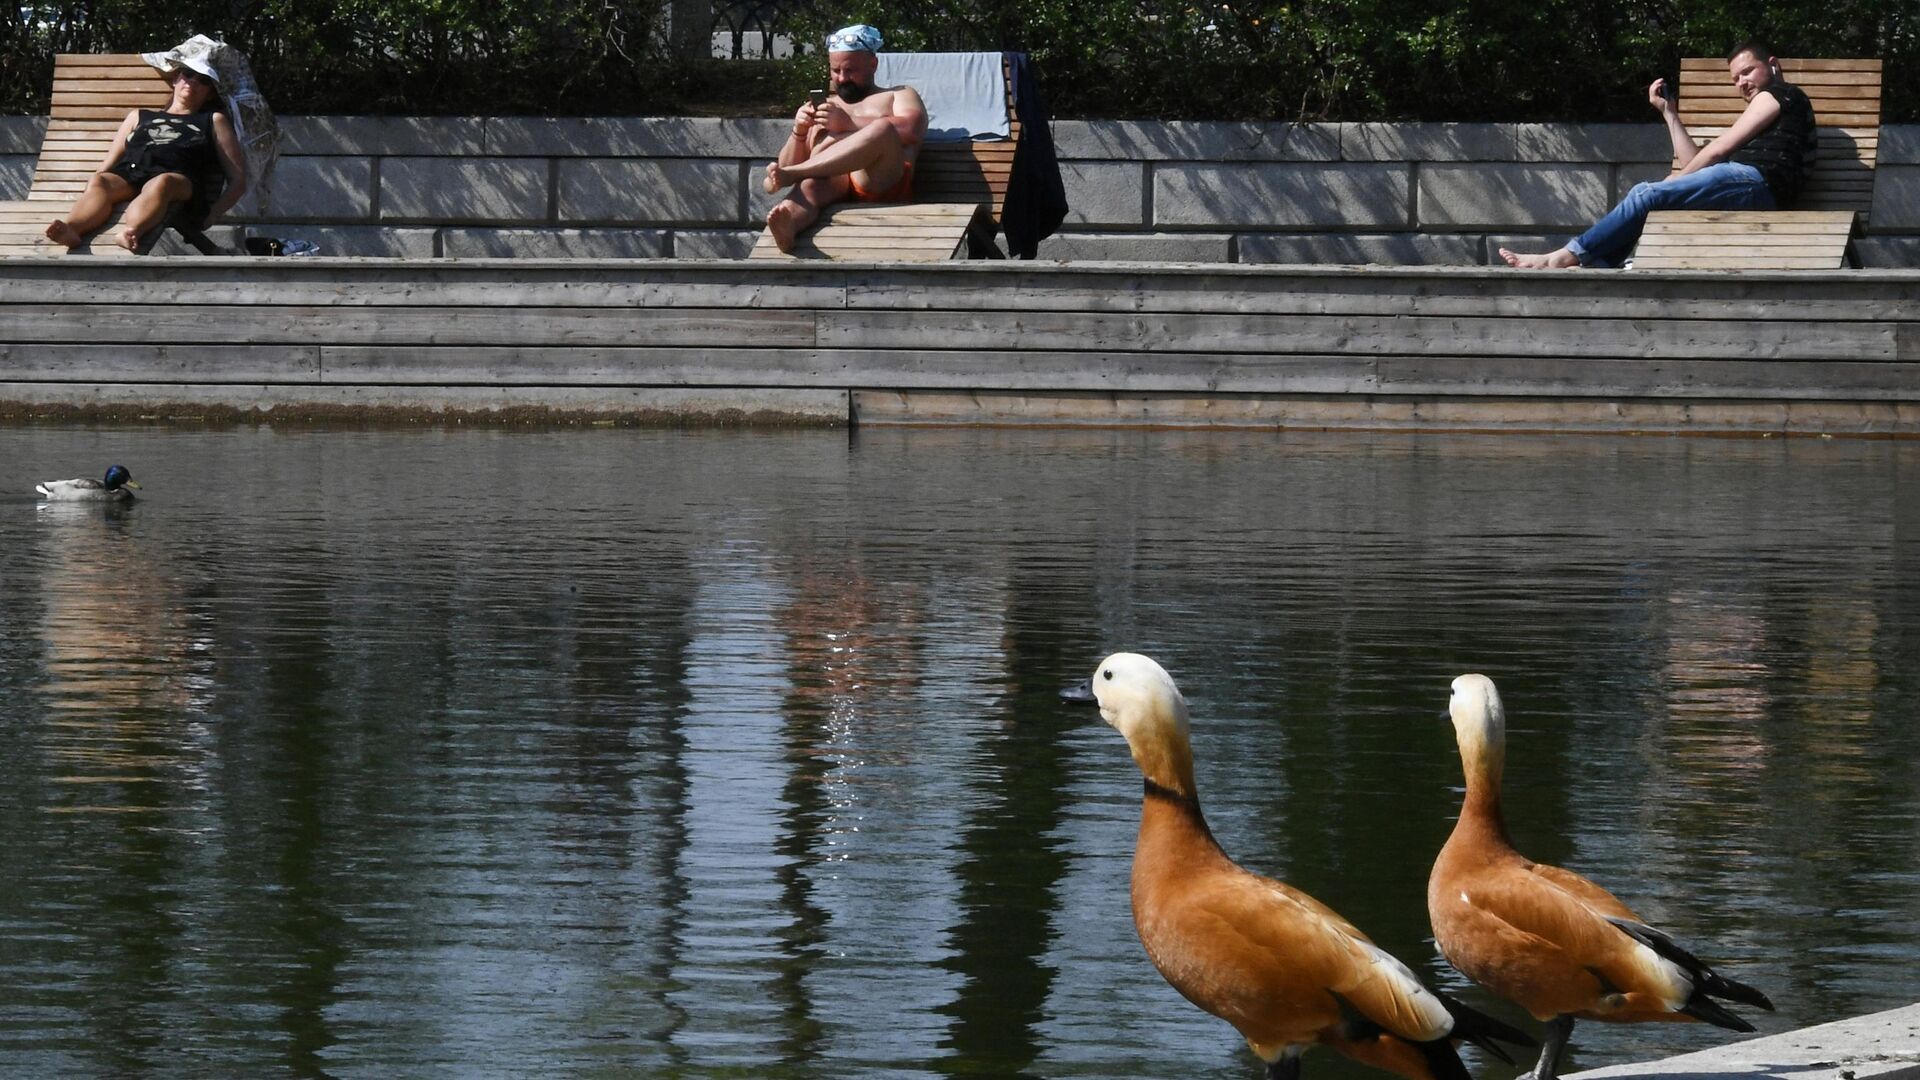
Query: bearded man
{"x": 858, "y": 144}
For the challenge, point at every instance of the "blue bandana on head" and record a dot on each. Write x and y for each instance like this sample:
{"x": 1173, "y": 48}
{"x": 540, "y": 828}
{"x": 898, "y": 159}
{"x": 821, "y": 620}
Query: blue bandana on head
{"x": 856, "y": 38}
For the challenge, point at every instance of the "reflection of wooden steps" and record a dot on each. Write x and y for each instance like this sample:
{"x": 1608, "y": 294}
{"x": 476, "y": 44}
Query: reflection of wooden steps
{"x": 903, "y": 232}
{"x": 91, "y": 98}
{"x": 1815, "y": 234}
{"x": 966, "y": 181}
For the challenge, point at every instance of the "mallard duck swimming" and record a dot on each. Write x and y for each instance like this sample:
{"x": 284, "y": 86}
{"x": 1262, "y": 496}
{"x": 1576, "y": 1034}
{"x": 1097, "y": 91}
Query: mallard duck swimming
{"x": 1283, "y": 968}
{"x": 115, "y": 488}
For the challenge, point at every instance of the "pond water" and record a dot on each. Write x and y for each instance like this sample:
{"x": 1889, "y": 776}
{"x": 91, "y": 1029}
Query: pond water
{"x": 652, "y": 753}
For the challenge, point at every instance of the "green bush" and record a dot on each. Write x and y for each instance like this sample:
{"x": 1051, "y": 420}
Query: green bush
{"x": 1203, "y": 60}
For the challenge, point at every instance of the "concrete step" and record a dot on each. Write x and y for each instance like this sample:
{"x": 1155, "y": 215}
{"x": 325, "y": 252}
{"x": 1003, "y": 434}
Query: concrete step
{"x": 1878, "y": 1046}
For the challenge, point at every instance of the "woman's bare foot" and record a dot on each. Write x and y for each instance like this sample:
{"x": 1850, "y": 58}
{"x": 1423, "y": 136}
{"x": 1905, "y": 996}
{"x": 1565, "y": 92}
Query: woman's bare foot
{"x": 776, "y": 178}
{"x": 128, "y": 239}
{"x": 1552, "y": 260}
{"x": 62, "y": 233}
{"x": 783, "y": 221}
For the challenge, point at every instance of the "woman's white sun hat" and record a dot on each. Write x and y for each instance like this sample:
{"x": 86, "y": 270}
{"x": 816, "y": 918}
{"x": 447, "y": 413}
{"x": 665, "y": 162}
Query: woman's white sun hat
{"x": 196, "y": 64}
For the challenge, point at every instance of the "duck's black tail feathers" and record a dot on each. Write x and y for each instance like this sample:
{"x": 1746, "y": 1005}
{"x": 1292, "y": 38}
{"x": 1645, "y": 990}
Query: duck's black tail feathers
{"x": 1481, "y": 1030}
{"x": 1442, "y": 1060}
{"x": 1706, "y": 982}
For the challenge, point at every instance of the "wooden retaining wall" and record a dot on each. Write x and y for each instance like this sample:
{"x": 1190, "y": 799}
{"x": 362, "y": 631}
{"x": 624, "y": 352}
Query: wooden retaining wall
{"x": 1435, "y": 348}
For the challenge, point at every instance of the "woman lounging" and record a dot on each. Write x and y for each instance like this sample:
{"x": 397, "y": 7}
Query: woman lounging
{"x": 159, "y": 160}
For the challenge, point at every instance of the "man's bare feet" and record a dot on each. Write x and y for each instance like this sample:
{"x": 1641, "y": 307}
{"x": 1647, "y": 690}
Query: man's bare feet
{"x": 783, "y": 221}
{"x": 1552, "y": 260}
{"x": 62, "y": 233}
{"x": 128, "y": 239}
{"x": 776, "y": 178}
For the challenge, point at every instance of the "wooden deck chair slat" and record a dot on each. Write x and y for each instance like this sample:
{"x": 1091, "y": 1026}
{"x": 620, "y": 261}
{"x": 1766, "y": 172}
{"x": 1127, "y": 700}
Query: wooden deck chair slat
{"x": 1846, "y": 104}
{"x": 98, "y": 112}
{"x": 1744, "y": 216}
{"x": 1724, "y": 120}
{"x": 109, "y": 98}
{"x": 1849, "y": 64}
{"x": 1852, "y": 90}
{"x": 82, "y": 61}
{"x": 1726, "y": 228}
{"x": 1710, "y": 261}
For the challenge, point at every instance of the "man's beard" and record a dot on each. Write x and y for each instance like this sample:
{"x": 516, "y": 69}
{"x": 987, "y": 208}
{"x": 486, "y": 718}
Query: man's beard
{"x": 851, "y": 92}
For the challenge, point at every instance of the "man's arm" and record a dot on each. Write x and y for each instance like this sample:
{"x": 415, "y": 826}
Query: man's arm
{"x": 1763, "y": 110}
{"x": 909, "y": 117}
{"x": 799, "y": 144}
{"x": 1683, "y": 148}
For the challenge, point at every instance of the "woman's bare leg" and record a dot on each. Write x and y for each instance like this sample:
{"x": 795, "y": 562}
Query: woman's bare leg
{"x": 149, "y": 208}
{"x": 91, "y": 210}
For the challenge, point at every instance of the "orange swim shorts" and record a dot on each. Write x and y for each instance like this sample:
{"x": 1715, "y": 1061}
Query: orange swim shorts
{"x": 900, "y": 192}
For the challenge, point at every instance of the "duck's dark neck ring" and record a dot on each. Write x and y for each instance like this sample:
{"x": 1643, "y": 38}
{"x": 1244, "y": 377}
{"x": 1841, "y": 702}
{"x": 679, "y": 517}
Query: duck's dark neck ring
{"x": 1158, "y": 791}
{"x": 1186, "y": 807}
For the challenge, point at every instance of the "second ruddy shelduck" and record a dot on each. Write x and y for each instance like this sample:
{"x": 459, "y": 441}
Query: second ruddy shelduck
{"x": 1547, "y": 939}
{"x": 1284, "y": 969}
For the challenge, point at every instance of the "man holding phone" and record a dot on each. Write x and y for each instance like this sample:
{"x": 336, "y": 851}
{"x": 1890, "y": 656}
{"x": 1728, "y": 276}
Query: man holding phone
{"x": 1758, "y": 163}
{"x": 860, "y": 143}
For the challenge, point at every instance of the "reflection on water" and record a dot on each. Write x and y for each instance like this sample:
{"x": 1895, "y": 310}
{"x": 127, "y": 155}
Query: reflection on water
{"x": 702, "y": 754}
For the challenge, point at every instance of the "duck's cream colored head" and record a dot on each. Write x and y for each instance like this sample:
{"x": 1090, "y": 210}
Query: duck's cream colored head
{"x": 1480, "y": 726}
{"x": 1138, "y": 698}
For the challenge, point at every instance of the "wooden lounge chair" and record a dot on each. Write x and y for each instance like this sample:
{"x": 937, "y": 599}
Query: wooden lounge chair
{"x": 1817, "y": 233}
{"x": 92, "y": 95}
{"x": 958, "y": 188}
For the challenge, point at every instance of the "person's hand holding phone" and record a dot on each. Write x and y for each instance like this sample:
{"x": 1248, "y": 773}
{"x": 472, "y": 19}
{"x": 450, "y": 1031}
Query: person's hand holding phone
{"x": 831, "y": 114}
{"x": 1662, "y": 95}
{"x": 808, "y": 115}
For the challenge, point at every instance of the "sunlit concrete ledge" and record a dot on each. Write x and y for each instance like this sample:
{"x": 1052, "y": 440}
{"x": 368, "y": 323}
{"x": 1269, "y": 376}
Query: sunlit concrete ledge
{"x": 1114, "y": 344}
{"x": 1879, "y": 1046}
{"x": 690, "y": 187}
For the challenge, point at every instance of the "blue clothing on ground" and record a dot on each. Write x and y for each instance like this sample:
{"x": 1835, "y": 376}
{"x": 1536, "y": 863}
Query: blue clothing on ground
{"x": 1727, "y": 185}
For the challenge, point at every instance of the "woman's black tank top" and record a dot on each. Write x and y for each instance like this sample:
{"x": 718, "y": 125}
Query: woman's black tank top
{"x": 169, "y": 142}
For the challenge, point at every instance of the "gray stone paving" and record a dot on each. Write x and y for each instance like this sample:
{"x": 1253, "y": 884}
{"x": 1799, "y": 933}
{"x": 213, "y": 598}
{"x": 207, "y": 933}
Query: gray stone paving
{"x": 1879, "y": 1046}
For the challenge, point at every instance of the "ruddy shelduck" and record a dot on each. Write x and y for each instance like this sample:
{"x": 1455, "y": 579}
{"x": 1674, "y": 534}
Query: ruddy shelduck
{"x": 1547, "y": 939}
{"x": 1284, "y": 969}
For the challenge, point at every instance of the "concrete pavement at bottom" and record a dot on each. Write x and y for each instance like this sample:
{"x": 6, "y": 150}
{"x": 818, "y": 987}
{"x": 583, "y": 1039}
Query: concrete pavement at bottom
{"x": 1878, "y": 1046}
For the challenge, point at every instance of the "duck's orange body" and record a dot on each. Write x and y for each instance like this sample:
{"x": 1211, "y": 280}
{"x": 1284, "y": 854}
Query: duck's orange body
{"x": 1284, "y": 969}
{"x": 1267, "y": 958}
{"x": 1544, "y": 938}
{"x": 1538, "y": 935}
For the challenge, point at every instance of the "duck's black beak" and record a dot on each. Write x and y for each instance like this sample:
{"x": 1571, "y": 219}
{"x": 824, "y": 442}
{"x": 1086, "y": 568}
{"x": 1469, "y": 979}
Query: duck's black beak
{"x": 1080, "y": 693}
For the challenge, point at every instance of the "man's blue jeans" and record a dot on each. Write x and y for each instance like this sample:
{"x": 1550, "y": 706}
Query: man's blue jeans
{"x": 1726, "y": 186}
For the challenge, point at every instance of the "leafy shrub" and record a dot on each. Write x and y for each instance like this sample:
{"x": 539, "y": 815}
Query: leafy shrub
{"x": 1171, "y": 59}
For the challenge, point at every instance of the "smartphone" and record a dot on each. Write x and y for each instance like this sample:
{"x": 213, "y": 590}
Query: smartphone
{"x": 817, "y": 97}
{"x": 1670, "y": 90}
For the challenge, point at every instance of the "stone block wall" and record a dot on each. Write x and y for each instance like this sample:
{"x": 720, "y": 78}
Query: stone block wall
{"x": 628, "y": 187}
